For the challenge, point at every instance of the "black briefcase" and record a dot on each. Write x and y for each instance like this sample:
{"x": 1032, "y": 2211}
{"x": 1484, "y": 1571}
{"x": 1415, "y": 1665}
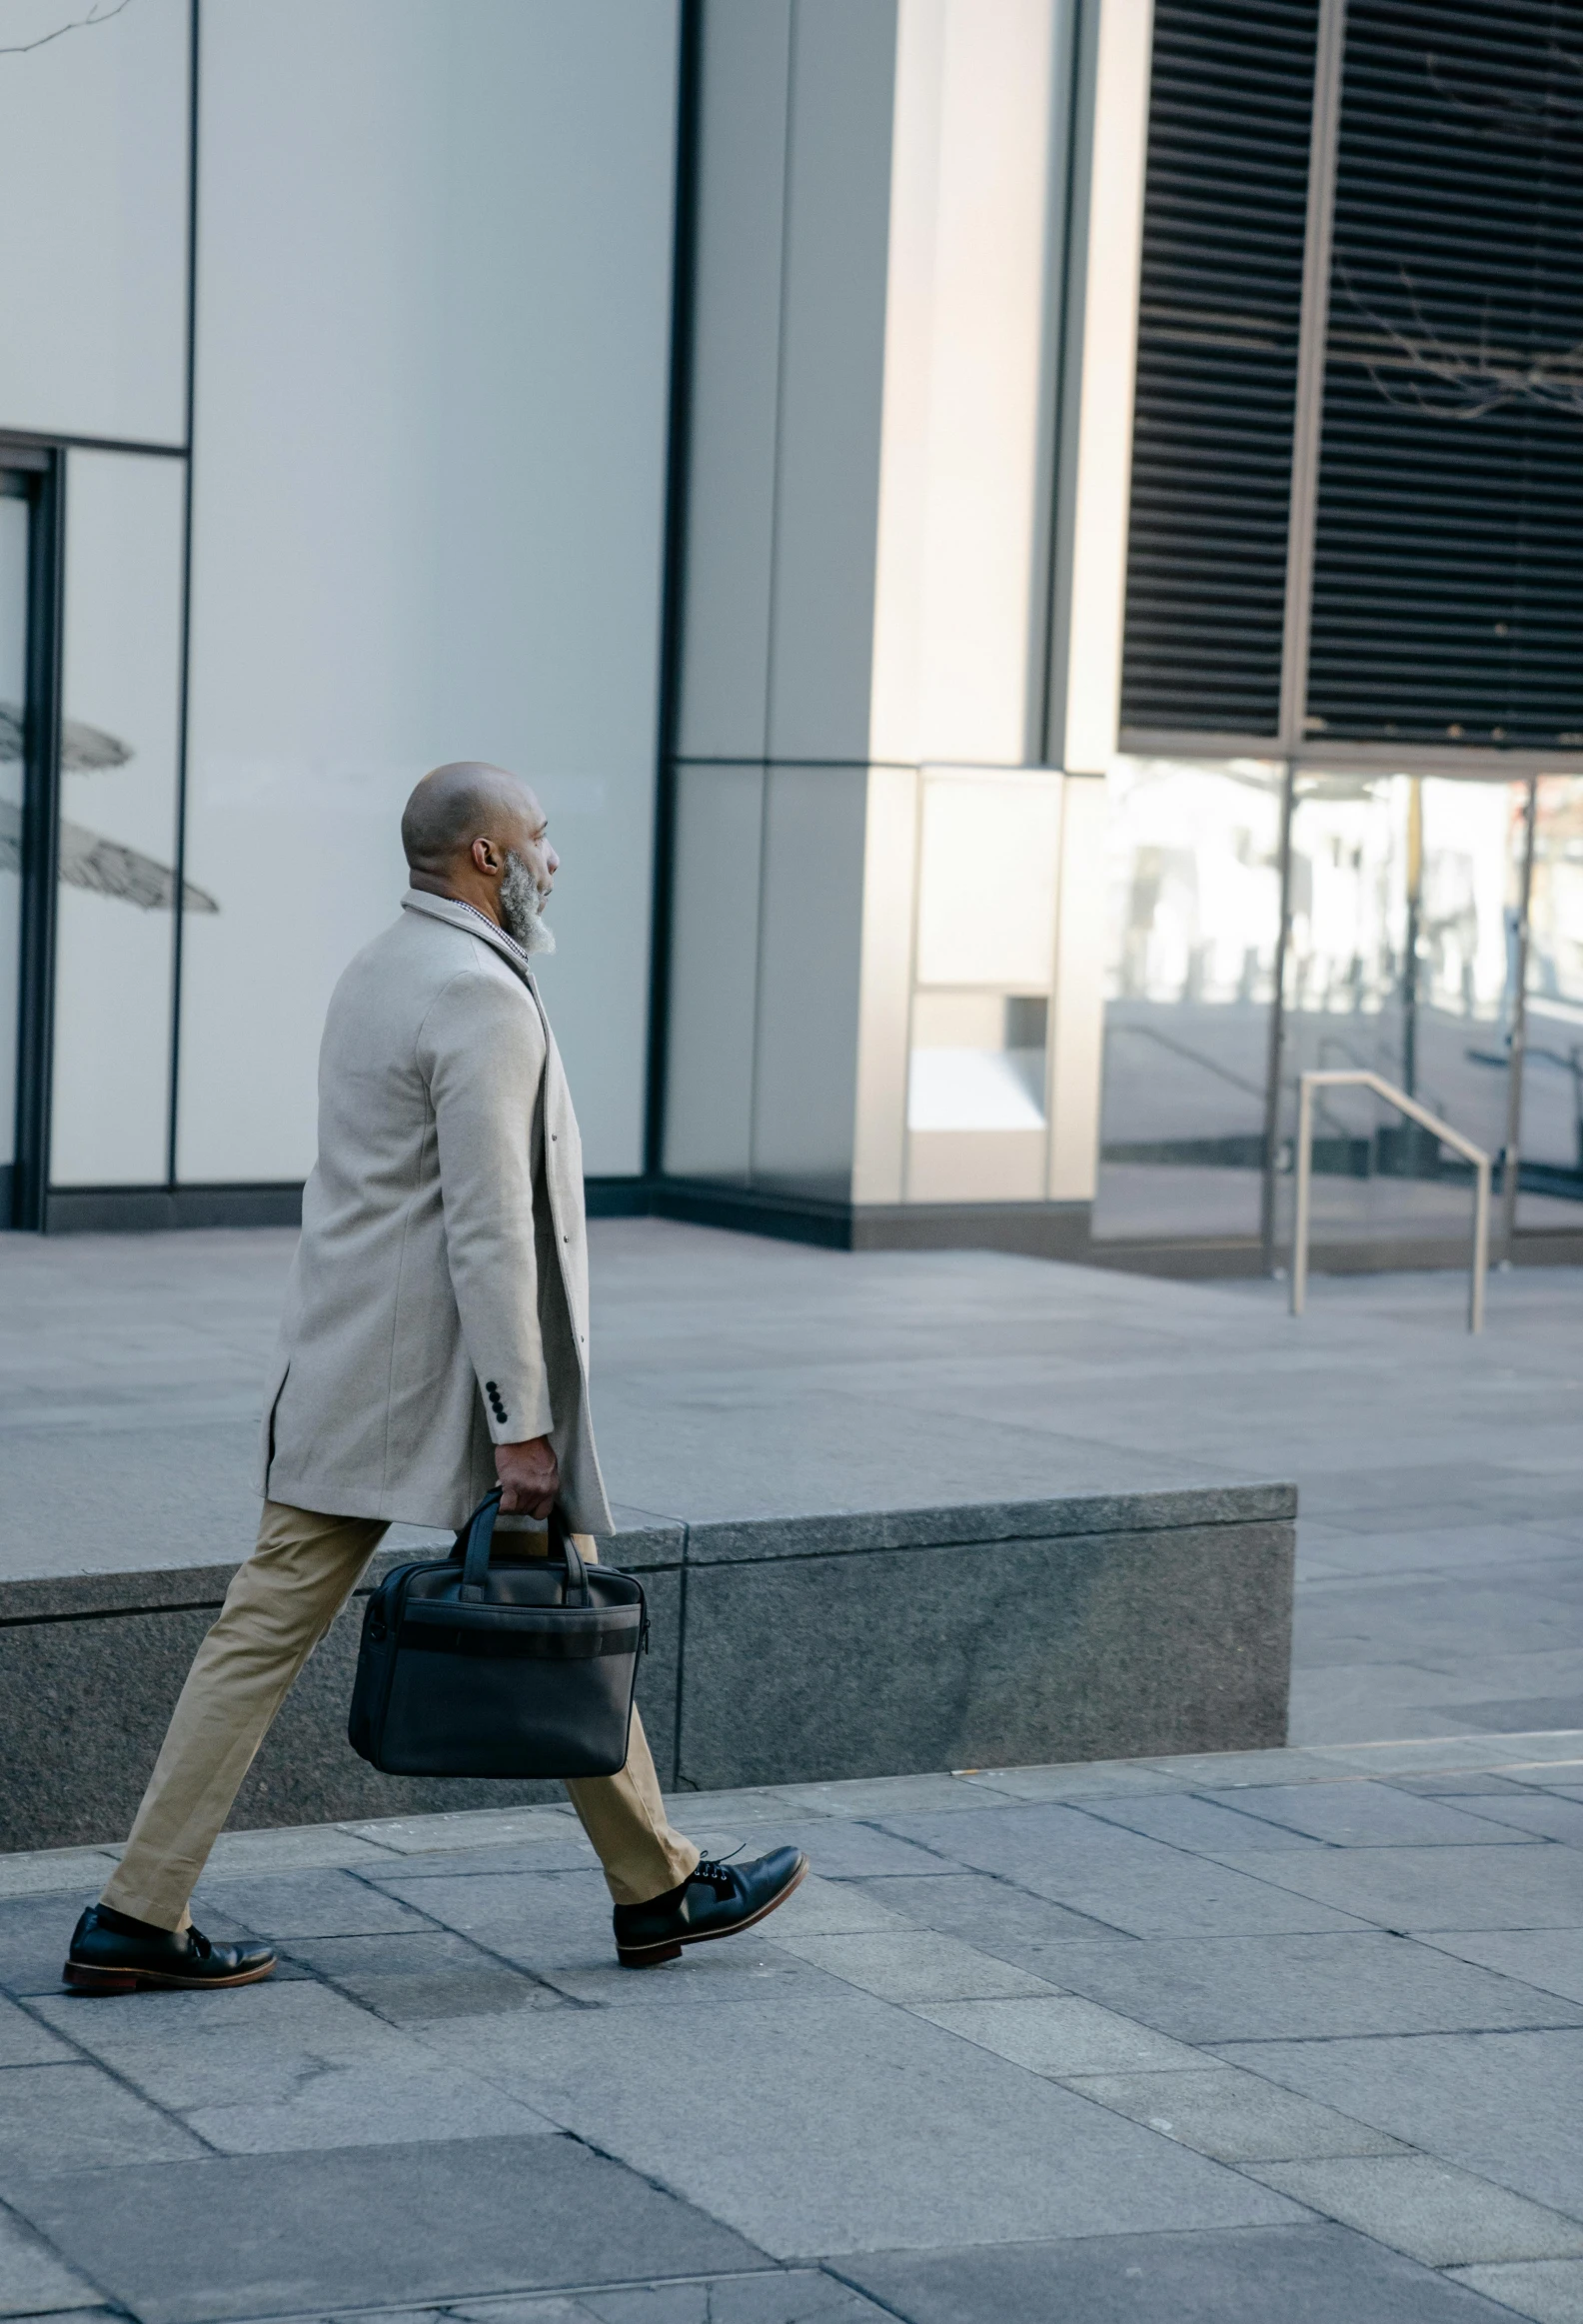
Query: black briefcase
{"x": 472, "y": 1668}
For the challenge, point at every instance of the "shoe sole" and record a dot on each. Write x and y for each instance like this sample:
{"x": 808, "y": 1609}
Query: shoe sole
{"x": 651, "y": 1956}
{"x": 84, "y": 1980}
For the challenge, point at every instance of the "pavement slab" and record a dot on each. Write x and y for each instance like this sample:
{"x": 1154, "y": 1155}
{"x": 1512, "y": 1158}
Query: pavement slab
{"x": 1277, "y": 1988}
{"x": 1237, "y": 2117}
{"x": 1528, "y": 1886}
{"x": 1548, "y": 2290}
{"x": 34, "y": 2281}
{"x": 842, "y": 2123}
{"x": 303, "y": 2235}
{"x": 1550, "y": 1959}
{"x": 1322, "y": 2275}
{"x": 1446, "y": 2217}
{"x": 1503, "y": 2104}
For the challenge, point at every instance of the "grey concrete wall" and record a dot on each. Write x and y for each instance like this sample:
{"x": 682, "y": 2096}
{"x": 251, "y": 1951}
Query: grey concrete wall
{"x": 786, "y": 1650}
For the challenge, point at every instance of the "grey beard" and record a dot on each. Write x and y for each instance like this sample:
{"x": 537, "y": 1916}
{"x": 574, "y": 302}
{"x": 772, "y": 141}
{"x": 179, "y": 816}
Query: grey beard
{"x": 522, "y": 907}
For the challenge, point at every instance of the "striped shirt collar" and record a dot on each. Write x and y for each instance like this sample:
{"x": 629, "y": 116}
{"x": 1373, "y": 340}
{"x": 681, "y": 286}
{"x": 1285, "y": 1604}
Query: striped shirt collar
{"x": 494, "y": 926}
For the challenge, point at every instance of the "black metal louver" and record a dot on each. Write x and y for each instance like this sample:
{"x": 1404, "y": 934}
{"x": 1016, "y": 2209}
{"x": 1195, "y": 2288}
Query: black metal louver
{"x": 1448, "y": 578}
{"x": 1220, "y": 300}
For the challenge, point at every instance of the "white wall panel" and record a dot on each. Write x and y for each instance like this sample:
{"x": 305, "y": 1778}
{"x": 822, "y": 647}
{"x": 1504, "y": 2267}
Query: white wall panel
{"x": 831, "y": 375}
{"x": 736, "y": 378}
{"x": 93, "y": 194}
{"x": 979, "y": 176}
{"x": 432, "y": 378}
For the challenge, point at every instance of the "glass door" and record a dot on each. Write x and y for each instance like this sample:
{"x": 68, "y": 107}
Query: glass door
{"x": 14, "y": 531}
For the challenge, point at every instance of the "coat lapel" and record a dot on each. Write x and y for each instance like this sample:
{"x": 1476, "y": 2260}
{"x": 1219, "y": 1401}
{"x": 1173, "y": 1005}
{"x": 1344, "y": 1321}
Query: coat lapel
{"x": 474, "y": 923}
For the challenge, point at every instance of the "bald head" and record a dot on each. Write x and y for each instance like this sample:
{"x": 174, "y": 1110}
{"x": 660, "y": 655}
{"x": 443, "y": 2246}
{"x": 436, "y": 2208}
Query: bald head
{"x": 461, "y": 802}
{"x": 477, "y": 835}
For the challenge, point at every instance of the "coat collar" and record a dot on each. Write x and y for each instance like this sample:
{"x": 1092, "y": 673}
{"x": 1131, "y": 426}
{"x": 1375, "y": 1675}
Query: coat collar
{"x": 461, "y": 916}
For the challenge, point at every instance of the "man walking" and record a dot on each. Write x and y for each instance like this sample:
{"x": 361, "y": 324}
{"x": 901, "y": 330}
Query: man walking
{"x": 435, "y": 1343}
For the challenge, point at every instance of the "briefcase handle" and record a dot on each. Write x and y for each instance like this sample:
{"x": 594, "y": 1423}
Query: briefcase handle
{"x": 481, "y": 1534}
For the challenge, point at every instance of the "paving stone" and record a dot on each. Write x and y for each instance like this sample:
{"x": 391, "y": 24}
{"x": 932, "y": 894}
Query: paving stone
{"x": 912, "y": 1966}
{"x": 24, "y": 2042}
{"x": 35, "y": 2281}
{"x": 1550, "y": 1959}
{"x": 1273, "y": 1989}
{"x": 840, "y": 1908}
{"x": 303, "y": 1904}
{"x": 1135, "y": 1884}
{"x": 274, "y": 2067}
{"x": 1549, "y": 2290}
{"x": 1460, "y": 1786}
{"x": 1320, "y": 2275}
{"x": 1061, "y": 2035}
{"x": 424, "y": 1978}
{"x": 292, "y": 1848}
{"x": 1501, "y": 2104}
{"x": 71, "y": 1870}
{"x": 747, "y": 1808}
{"x": 1078, "y": 1780}
{"x": 792, "y": 2296}
{"x": 988, "y": 1914}
{"x": 1364, "y": 1815}
{"x": 1202, "y": 1826}
{"x": 883, "y": 2129}
{"x": 1442, "y": 2216}
{"x": 880, "y": 1795}
{"x": 1237, "y": 2117}
{"x": 1241, "y": 1770}
{"x": 354, "y": 2227}
{"x": 707, "y": 1977}
{"x": 471, "y": 1828}
{"x": 77, "y": 2118}
{"x": 845, "y": 1848}
{"x": 404, "y": 1875}
{"x": 1549, "y": 1818}
{"x": 1531, "y": 1886}
{"x": 538, "y": 1919}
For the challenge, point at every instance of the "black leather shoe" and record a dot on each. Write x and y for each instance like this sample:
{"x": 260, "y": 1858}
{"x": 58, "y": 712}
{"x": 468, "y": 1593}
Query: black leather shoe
{"x": 113, "y": 1953}
{"x": 714, "y": 1900}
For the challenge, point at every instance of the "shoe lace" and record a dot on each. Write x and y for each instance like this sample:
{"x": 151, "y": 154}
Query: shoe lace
{"x": 716, "y": 1871}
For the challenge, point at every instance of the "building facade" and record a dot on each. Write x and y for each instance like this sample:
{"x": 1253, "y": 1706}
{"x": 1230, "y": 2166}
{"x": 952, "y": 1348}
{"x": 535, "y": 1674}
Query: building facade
{"x": 1026, "y": 544}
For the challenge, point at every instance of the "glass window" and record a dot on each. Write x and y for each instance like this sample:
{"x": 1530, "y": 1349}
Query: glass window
{"x": 1403, "y": 900}
{"x": 119, "y": 751}
{"x": 1552, "y": 1110}
{"x": 13, "y": 691}
{"x": 1194, "y": 881}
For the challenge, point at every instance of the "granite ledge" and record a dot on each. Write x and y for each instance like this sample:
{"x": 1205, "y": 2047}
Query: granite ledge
{"x": 654, "y": 1544}
{"x": 729, "y": 1541}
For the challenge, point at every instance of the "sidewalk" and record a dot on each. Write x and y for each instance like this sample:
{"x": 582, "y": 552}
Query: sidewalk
{"x": 1172, "y": 2042}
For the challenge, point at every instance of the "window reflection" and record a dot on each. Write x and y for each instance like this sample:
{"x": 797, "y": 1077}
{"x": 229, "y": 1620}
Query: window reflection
{"x": 1402, "y": 963}
{"x": 1195, "y": 873}
{"x": 1552, "y": 1101}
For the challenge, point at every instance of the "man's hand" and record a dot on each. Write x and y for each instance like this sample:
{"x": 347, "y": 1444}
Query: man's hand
{"x": 530, "y": 1477}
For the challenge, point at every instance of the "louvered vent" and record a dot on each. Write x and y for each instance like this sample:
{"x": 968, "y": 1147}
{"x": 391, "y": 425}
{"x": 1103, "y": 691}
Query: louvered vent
{"x": 1448, "y": 599}
{"x": 1221, "y": 293}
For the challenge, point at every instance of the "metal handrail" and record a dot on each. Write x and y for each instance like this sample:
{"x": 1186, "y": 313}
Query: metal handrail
{"x": 1306, "y": 1086}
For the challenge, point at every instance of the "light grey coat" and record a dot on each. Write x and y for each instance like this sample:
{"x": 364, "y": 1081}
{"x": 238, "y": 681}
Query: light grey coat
{"x": 438, "y": 1305}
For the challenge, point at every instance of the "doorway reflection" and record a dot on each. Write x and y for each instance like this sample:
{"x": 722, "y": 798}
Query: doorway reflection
{"x": 14, "y": 515}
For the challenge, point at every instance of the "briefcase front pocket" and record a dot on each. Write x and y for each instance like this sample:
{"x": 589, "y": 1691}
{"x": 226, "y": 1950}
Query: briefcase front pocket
{"x": 509, "y": 1693}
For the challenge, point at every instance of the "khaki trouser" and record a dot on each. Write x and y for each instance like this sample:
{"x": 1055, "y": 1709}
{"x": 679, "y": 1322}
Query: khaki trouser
{"x": 277, "y": 1607}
